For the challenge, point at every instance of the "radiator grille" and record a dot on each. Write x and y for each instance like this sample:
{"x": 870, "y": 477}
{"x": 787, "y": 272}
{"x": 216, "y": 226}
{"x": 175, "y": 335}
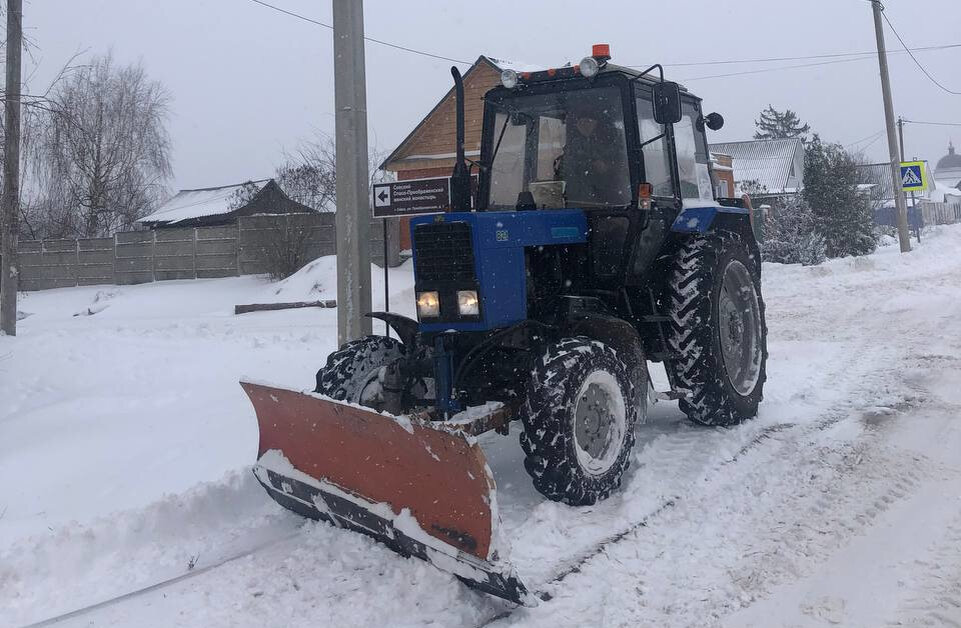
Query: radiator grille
{"x": 444, "y": 253}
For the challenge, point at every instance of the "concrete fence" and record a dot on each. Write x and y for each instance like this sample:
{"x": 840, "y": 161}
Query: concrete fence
{"x": 195, "y": 253}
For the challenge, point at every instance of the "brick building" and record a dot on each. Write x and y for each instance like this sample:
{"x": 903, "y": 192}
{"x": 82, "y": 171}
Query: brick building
{"x": 428, "y": 151}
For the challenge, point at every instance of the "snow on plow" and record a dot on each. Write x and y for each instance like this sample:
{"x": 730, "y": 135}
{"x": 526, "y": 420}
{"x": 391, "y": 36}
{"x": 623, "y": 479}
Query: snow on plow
{"x": 422, "y": 490}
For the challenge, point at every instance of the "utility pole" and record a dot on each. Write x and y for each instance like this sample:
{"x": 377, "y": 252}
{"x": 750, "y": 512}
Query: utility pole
{"x": 899, "y": 202}
{"x": 10, "y": 199}
{"x": 353, "y": 204}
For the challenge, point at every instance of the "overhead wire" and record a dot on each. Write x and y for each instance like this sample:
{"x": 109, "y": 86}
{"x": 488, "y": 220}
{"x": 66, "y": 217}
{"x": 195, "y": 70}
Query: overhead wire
{"x": 835, "y": 58}
{"x": 906, "y": 121}
{"x": 915, "y": 59}
{"x": 833, "y": 55}
{"x": 370, "y": 39}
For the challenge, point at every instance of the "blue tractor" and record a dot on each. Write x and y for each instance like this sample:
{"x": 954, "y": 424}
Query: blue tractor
{"x": 594, "y": 244}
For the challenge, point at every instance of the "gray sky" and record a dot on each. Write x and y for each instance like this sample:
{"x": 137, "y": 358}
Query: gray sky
{"x": 248, "y": 82}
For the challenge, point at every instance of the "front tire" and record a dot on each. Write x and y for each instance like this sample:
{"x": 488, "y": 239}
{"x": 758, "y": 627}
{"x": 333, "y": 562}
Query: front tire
{"x": 717, "y": 331}
{"x": 579, "y": 418}
{"x": 355, "y": 372}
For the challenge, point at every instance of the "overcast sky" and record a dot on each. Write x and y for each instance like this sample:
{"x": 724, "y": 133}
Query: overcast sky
{"x": 248, "y": 82}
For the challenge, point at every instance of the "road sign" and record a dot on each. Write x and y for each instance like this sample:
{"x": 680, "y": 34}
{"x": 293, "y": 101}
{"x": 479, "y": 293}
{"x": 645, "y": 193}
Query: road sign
{"x": 913, "y": 176}
{"x": 412, "y": 197}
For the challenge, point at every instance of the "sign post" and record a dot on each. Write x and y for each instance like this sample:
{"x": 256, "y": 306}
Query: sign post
{"x": 914, "y": 178}
{"x": 413, "y": 197}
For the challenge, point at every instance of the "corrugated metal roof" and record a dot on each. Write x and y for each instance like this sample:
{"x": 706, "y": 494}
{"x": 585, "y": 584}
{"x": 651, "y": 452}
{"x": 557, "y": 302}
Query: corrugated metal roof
{"x": 768, "y": 162}
{"x": 187, "y": 204}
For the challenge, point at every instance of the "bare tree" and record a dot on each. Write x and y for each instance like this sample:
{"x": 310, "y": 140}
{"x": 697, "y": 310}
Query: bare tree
{"x": 309, "y": 175}
{"x": 103, "y": 157}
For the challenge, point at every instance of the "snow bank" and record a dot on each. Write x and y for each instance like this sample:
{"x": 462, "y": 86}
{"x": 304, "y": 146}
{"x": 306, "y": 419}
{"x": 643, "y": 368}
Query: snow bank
{"x": 72, "y": 565}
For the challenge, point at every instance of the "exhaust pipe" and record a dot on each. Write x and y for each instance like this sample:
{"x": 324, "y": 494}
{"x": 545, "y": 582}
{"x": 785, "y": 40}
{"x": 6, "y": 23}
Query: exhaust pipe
{"x": 460, "y": 192}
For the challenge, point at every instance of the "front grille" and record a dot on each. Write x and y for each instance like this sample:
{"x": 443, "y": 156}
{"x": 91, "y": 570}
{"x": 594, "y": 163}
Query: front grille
{"x": 444, "y": 253}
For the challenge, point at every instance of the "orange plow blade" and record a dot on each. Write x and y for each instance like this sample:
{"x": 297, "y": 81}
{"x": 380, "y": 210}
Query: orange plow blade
{"x": 421, "y": 490}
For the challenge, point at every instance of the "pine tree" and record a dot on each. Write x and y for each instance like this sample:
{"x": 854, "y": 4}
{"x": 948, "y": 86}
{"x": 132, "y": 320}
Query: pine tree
{"x": 776, "y": 125}
{"x": 843, "y": 214}
{"x": 792, "y": 236}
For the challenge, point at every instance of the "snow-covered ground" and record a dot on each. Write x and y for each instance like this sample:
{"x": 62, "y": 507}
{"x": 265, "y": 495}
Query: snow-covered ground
{"x": 125, "y": 445}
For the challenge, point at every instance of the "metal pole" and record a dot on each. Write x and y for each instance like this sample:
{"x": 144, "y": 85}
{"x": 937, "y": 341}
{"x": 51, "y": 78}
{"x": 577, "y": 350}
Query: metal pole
{"x": 10, "y": 198}
{"x": 386, "y": 281}
{"x": 903, "y": 236}
{"x": 353, "y": 204}
{"x": 901, "y": 143}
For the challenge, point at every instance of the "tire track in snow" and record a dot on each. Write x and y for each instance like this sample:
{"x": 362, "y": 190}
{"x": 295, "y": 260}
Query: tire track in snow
{"x": 871, "y": 383}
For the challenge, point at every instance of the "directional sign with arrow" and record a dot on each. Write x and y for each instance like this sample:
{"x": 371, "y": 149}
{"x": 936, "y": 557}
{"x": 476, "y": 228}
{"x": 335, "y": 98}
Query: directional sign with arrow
{"x": 412, "y": 197}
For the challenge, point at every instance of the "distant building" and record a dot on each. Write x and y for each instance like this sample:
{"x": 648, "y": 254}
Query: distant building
{"x": 948, "y": 170}
{"x": 767, "y": 169}
{"x": 208, "y": 207}
{"x": 723, "y": 167}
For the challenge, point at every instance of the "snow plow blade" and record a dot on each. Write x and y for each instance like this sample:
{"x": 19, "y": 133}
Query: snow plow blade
{"x": 423, "y": 491}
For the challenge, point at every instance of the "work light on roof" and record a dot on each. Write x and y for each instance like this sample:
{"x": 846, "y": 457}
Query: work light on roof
{"x": 509, "y": 79}
{"x": 589, "y": 67}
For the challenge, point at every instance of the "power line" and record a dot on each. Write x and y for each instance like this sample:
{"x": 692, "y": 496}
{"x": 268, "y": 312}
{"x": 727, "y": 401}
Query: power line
{"x": 915, "y": 59}
{"x": 838, "y": 57}
{"x": 873, "y": 136}
{"x": 933, "y": 123}
{"x": 834, "y": 55}
{"x": 370, "y": 39}
{"x": 777, "y": 69}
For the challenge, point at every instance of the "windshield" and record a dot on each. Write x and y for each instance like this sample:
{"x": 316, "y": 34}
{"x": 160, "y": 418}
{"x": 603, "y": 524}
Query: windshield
{"x": 568, "y": 149}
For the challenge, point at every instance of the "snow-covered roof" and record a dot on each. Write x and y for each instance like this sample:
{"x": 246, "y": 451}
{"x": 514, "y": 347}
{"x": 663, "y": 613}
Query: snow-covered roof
{"x": 504, "y": 64}
{"x": 776, "y": 164}
{"x": 188, "y": 204}
{"x": 944, "y": 194}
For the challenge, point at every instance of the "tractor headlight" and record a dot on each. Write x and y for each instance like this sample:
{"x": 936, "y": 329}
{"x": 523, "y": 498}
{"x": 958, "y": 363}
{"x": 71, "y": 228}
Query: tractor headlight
{"x": 589, "y": 67}
{"x": 509, "y": 79}
{"x": 428, "y": 305}
{"x": 467, "y": 303}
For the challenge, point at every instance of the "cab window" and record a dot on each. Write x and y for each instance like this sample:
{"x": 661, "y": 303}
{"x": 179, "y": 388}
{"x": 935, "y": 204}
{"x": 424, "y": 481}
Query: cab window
{"x": 692, "y": 156}
{"x": 657, "y": 157}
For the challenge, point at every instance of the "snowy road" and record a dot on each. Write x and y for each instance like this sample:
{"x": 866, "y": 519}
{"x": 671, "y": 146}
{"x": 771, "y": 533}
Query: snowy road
{"x": 839, "y": 505}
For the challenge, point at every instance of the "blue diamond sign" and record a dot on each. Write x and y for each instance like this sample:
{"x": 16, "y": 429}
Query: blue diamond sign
{"x": 913, "y": 176}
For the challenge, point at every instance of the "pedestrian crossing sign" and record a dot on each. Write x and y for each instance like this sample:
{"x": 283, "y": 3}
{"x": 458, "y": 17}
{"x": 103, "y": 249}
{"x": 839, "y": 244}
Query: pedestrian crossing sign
{"x": 913, "y": 176}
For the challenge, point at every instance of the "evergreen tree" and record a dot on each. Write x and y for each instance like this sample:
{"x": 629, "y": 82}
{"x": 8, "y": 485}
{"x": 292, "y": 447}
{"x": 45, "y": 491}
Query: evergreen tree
{"x": 843, "y": 214}
{"x": 792, "y": 237}
{"x": 776, "y": 125}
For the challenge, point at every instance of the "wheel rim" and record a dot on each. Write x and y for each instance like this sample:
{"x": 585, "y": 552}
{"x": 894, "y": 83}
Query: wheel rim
{"x": 370, "y": 394}
{"x": 600, "y": 420}
{"x": 739, "y": 316}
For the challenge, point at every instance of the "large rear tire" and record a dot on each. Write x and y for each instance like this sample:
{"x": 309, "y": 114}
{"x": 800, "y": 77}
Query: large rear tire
{"x": 579, "y": 418}
{"x": 717, "y": 329}
{"x": 355, "y": 372}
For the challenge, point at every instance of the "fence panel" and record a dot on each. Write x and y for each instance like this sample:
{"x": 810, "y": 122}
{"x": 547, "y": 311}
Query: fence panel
{"x": 217, "y": 252}
{"x": 204, "y": 252}
{"x": 173, "y": 254}
{"x": 95, "y": 258}
{"x": 31, "y": 264}
{"x": 133, "y": 257}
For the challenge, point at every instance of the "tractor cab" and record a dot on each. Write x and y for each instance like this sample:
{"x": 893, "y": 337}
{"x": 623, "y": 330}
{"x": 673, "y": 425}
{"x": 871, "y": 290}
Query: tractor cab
{"x": 587, "y": 136}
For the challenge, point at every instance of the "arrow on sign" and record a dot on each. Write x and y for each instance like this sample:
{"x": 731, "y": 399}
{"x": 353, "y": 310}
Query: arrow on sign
{"x": 383, "y": 196}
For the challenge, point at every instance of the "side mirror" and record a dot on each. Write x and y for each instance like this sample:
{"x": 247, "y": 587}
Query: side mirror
{"x": 714, "y": 121}
{"x": 667, "y": 103}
